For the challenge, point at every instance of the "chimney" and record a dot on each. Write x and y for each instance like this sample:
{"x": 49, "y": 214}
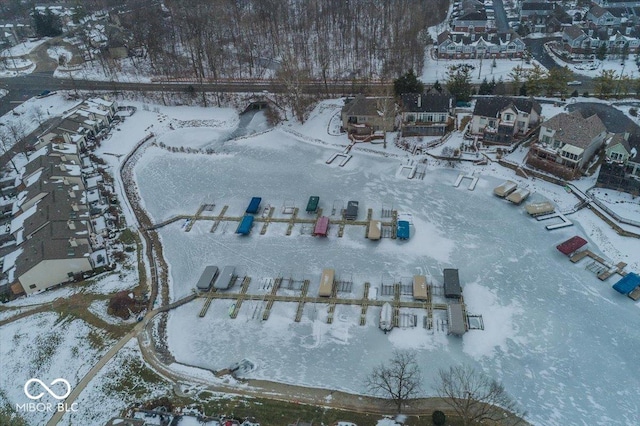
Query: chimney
{"x": 73, "y": 242}
{"x": 627, "y": 31}
{"x": 71, "y": 224}
{"x": 420, "y": 101}
{"x": 508, "y": 36}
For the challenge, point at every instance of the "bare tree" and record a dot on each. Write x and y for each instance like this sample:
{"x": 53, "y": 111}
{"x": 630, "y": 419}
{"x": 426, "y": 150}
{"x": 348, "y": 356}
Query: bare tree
{"x": 399, "y": 379}
{"x": 476, "y": 397}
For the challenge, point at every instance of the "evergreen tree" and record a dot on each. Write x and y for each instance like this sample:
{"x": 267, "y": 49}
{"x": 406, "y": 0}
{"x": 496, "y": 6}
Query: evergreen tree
{"x": 459, "y": 82}
{"x": 601, "y": 53}
{"x": 47, "y": 24}
{"x": 407, "y": 83}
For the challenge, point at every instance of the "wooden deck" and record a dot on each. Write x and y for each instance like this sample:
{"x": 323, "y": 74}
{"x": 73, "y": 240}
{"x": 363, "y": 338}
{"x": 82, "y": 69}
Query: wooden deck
{"x": 608, "y": 268}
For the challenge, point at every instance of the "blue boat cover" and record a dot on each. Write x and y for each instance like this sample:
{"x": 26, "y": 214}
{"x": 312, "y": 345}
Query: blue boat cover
{"x": 403, "y": 230}
{"x": 627, "y": 283}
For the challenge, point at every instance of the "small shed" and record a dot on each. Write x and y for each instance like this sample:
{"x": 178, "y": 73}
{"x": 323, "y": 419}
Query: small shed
{"x": 455, "y": 315}
{"x": 518, "y": 196}
{"x": 420, "y": 288}
{"x": 254, "y": 205}
{"x": 226, "y": 278}
{"x": 207, "y": 278}
{"x": 627, "y": 284}
{"x": 352, "y": 210}
{"x": 537, "y": 209}
{"x": 244, "y": 228}
{"x": 375, "y": 230}
{"x": 452, "y": 288}
{"x": 326, "y": 283}
{"x": 403, "y": 230}
{"x": 322, "y": 227}
{"x": 505, "y": 188}
{"x": 571, "y": 245}
{"x": 312, "y": 204}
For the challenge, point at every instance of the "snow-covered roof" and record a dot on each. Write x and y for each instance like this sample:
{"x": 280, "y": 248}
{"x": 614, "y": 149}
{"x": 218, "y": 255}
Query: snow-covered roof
{"x": 18, "y": 221}
{"x": 10, "y": 261}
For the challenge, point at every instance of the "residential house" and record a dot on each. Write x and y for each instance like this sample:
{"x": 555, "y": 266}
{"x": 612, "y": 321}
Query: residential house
{"x": 472, "y": 18}
{"x": 59, "y": 136}
{"x": 566, "y": 144}
{"x": 500, "y": 119}
{"x": 426, "y": 114}
{"x": 602, "y": 17}
{"x": 621, "y": 170}
{"x": 452, "y": 45}
{"x": 532, "y": 8}
{"x": 578, "y": 42}
{"x": 364, "y": 116}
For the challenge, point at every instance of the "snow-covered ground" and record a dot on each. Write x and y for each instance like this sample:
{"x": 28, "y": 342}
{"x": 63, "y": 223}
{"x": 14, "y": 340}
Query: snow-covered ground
{"x": 437, "y": 69}
{"x": 627, "y": 67}
{"x": 56, "y": 52}
{"x": 23, "y": 48}
{"x": 559, "y": 338}
{"x": 92, "y": 70}
{"x": 49, "y": 347}
{"x": 623, "y": 204}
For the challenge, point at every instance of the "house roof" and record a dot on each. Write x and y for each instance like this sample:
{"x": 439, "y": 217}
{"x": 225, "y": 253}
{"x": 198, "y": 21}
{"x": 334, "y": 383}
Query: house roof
{"x": 575, "y": 130}
{"x": 597, "y": 11}
{"x": 51, "y": 209}
{"x": 492, "y": 105}
{"x": 574, "y": 31}
{"x": 619, "y": 138}
{"x": 39, "y": 248}
{"x": 432, "y": 102}
{"x": 537, "y": 6}
{"x": 443, "y": 36}
{"x": 363, "y": 106}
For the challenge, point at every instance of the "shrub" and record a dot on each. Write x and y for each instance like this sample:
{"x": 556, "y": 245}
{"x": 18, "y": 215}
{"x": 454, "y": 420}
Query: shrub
{"x": 633, "y": 111}
{"x": 438, "y": 418}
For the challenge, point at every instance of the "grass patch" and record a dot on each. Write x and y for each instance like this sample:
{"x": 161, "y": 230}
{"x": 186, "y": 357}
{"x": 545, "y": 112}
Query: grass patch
{"x": 276, "y": 413}
{"x": 127, "y": 237}
{"x": 133, "y": 380}
{"x": 96, "y": 340}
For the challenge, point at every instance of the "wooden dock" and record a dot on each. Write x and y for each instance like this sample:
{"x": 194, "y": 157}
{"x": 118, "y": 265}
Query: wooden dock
{"x": 365, "y": 304}
{"x": 271, "y": 298}
{"x": 195, "y": 217}
{"x": 301, "y": 302}
{"x": 608, "y": 268}
{"x": 243, "y": 291}
{"x": 218, "y": 219}
{"x": 302, "y": 299}
{"x": 268, "y": 218}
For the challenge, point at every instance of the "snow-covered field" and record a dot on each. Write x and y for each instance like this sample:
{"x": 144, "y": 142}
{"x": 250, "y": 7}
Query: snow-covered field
{"x": 49, "y": 347}
{"x": 437, "y": 69}
{"x": 561, "y": 340}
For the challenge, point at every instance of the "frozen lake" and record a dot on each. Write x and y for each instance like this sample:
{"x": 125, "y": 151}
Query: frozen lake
{"x": 564, "y": 343}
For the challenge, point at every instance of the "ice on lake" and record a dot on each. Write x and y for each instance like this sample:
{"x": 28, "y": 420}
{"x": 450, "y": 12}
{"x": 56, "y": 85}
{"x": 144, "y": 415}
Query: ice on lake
{"x": 564, "y": 343}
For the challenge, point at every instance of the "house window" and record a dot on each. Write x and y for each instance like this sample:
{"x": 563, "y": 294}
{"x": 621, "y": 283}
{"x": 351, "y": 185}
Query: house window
{"x": 32, "y": 286}
{"x": 546, "y": 139}
{"x": 71, "y": 252}
{"x": 492, "y": 123}
{"x": 508, "y": 117}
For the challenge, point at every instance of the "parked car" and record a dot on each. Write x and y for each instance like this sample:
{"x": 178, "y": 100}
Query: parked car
{"x": 46, "y": 93}
{"x": 574, "y": 83}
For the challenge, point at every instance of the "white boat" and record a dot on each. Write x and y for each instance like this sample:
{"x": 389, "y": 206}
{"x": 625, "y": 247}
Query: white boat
{"x": 386, "y": 317}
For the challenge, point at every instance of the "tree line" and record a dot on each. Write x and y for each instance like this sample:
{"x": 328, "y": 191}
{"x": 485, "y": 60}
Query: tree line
{"x": 264, "y": 38}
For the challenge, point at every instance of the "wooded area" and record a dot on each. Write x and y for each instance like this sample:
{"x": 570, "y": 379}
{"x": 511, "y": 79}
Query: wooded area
{"x": 279, "y": 38}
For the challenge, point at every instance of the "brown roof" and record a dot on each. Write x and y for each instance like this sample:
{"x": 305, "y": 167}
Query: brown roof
{"x": 53, "y": 209}
{"x": 38, "y": 248}
{"x": 573, "y": 31}
{"x": 363, "y": 106}
{"x": 575, "y": 130}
